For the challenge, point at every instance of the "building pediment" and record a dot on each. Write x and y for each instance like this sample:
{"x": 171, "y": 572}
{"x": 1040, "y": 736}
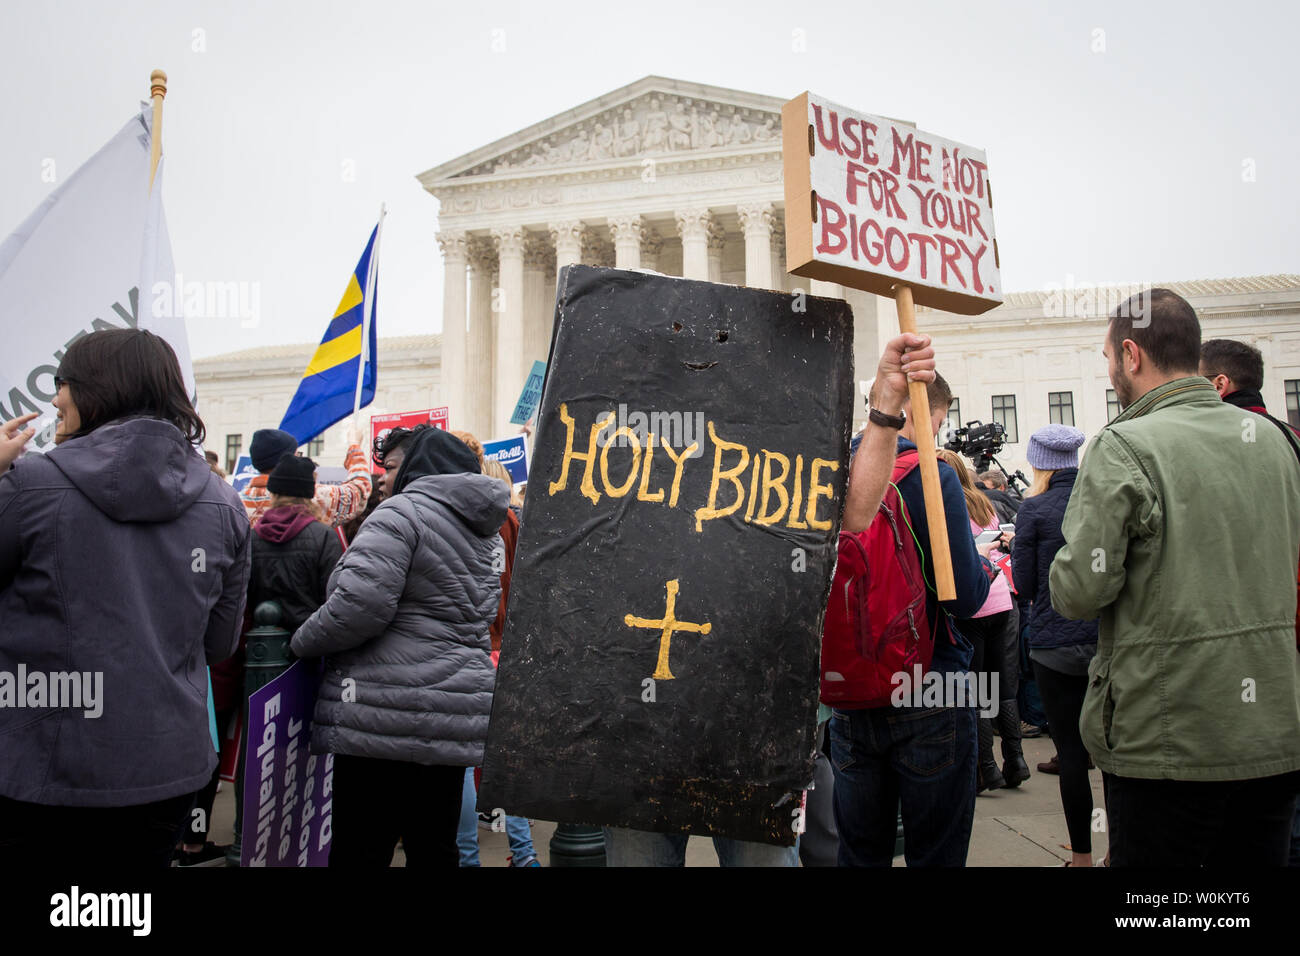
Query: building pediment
{"x": 653, "y": 117}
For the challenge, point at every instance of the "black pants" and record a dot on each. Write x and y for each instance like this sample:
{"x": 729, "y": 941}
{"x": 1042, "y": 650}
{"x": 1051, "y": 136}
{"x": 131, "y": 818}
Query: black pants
{"x": 378, "y": 802}
{"x": 140, "y": 837}
{"x": 1193, "y": 823}
{"x": 996, "y": 640}
{"x": 1063, "y": 700}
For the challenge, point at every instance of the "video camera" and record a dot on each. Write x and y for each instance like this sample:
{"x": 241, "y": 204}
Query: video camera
{"x": 977, "y": 441}
{"x": 980, "y": 442}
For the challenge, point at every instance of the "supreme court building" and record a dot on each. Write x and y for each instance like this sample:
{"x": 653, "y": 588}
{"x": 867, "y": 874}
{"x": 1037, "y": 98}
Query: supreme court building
{"x": 686, "y": 179}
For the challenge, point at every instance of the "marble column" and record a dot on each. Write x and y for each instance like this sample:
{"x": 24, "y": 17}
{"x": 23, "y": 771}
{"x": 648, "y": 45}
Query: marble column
{"x": 567, "y": 237}
{"x": 827, "y": 290}
{"x": 481, "y": 347}
{"x": 508, "y": 304}
{"x": 756, "y": 223}
{"x": 778, "y": 253}
{"x": 627, "y": 233}
{"x": 693, "y": 226}
{"x": 454, "y": 248}
{"x": 539, "y": 296}
{"x": 717, "y": 241}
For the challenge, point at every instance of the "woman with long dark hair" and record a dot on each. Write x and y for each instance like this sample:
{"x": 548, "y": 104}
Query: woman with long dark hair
{"x": 123, "y": 571}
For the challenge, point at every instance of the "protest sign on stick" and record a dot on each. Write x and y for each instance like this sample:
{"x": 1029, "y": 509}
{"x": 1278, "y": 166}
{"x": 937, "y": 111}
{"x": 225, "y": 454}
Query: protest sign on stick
{"x": 530, "y": 396}
{"x": 288, "y": 791}
{"x": 879, "y": 205}
{"x": 512, "y": 453}
{"x": 381, "y": 425}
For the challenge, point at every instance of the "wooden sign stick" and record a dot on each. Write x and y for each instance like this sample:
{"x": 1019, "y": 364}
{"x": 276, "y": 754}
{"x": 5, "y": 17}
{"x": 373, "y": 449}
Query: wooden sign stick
{"x": 923, "y": 429}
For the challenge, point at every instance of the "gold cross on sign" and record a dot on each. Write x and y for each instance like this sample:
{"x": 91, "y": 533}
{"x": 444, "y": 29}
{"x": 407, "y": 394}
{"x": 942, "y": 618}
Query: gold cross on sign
{"x": 667, "y": 626}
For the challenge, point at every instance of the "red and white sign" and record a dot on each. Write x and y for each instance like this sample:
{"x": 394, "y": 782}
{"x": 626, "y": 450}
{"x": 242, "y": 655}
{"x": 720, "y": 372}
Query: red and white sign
{"x": 883, "y": 198}
{"x": 381, "y": 425}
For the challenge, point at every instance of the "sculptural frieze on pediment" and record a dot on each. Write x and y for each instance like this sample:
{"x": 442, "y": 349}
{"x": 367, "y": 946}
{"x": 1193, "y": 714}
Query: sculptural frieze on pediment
{"x": 652, "y": 125}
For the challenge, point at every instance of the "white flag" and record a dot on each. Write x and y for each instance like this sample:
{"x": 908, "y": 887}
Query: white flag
{"x": 94, "y": 255}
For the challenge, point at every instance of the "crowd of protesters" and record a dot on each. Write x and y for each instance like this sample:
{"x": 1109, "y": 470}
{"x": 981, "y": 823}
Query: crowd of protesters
{"x": 1141, "y": 611}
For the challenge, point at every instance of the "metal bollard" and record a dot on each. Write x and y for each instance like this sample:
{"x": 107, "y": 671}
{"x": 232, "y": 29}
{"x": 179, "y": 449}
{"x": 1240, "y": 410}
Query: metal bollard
{"x": 577, "y": 845}
{"x": 266, "y": 657}
{"x": 266, "y": 653}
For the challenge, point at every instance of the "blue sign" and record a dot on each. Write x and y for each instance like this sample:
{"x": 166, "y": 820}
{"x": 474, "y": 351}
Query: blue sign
{"x": 511, "y": 452}
{"x": 532, "y": 394}
{"x": 243, "y": 474}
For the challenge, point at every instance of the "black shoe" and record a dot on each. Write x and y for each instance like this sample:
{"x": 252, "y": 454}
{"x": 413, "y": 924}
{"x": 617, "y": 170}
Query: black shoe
{"x": 1015, "y": 771}
{"x": 989, "y": 778}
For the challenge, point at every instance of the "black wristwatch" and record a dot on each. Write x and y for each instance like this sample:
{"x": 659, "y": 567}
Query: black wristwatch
{"x": 887, "y": 421}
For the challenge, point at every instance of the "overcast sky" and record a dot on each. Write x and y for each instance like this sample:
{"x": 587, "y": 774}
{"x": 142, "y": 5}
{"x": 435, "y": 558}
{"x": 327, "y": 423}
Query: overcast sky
{"x": 1122, "y": 138}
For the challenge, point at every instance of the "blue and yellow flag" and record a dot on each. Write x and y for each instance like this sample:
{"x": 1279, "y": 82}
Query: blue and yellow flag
{"x": 328, "y": 388}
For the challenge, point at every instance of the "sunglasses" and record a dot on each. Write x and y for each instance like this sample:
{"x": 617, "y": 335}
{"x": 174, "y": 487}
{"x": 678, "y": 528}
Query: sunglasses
{"x": 59, "y": 382}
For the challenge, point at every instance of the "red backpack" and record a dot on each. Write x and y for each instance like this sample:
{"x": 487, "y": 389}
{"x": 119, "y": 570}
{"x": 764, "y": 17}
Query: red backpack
{"x": 876, "y": 623}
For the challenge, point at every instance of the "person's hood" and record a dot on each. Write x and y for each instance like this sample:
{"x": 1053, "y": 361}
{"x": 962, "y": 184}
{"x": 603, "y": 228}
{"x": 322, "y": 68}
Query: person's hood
{"x": 434, "y": 452}
{"x": 481, "y": 501}
{"x": 282, "y": 524}
{"x": 135, "y": 469}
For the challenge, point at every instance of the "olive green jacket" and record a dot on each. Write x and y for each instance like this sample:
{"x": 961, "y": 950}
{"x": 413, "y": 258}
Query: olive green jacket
{"x": 1182, "y": 534}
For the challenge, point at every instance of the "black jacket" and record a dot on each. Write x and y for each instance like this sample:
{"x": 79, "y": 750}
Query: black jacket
{"x": 292, "y": 560}
{"x": 1038, "y": 538}
{"x": 1005, "y": 505}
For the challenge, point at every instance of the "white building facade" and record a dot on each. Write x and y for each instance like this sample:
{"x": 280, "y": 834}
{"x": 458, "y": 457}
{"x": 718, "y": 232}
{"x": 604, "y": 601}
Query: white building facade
{"x": 686, "y": 179}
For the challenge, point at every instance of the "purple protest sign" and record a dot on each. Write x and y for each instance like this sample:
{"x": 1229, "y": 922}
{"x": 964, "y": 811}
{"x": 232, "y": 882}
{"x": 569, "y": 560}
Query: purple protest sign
{"x": 287, "y": 790}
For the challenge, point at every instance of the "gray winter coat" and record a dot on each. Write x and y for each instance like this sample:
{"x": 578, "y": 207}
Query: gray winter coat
{"x": 406, "y": 627}
{"x": 122, "y": 557}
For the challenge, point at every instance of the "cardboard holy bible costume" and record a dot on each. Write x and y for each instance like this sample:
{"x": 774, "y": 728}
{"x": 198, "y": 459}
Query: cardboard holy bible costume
{"x": 659, "y": 667}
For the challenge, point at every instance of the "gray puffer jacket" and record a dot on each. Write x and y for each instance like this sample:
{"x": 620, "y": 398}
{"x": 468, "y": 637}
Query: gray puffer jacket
{"x": 406, "y": 625}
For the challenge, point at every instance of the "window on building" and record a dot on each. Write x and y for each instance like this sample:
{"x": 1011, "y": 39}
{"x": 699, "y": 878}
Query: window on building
{"x": 1004, "y": 413}
{"x": 1060, "y": 408}
{"x": 951, "y": 423}
{"x": 1293, "y": 402}
{"x": 1112, "y": 405}
{"x": 234, "y": 444}
{"x": 315, "y": 448}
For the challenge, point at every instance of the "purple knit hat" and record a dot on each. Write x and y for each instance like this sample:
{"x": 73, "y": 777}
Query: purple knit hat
{"x": 1055, "y": 446}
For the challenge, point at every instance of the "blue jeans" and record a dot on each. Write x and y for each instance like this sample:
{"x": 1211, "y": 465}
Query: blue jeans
{"x": 518, "y": 832}
{"x": 923, "y": 757}
{"x": 640, "y": 848}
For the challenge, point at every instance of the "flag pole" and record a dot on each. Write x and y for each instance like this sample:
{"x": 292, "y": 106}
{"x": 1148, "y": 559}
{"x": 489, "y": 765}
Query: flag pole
{"x": 157, "y": 90}
{"x": 367, "y": 318}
